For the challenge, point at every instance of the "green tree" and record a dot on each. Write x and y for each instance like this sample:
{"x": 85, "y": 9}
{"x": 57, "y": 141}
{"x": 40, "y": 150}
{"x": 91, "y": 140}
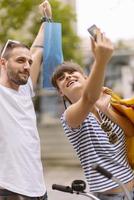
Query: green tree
{"x": 20, "y": 21}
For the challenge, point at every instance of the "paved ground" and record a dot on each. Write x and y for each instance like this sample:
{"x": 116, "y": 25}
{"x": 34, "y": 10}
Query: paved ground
{"x": 63, "y": 176}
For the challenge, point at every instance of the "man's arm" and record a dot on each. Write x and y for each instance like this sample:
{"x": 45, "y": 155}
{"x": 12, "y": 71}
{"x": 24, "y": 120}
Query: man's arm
{"x": 37, "y": 46}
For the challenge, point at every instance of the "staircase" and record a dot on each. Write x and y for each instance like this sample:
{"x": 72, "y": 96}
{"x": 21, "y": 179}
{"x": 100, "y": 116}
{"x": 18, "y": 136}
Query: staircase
{"x": 55, "y": 147}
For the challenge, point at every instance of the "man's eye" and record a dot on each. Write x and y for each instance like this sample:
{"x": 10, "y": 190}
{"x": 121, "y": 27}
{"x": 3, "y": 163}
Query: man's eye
{"x": 20, "y": 61}
{"x": 30, "y": 63}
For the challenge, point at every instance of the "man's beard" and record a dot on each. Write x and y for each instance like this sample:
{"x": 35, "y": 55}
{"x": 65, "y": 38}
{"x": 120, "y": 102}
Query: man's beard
{"x": 19, "y": 81}
{"x": 16, "y": 79}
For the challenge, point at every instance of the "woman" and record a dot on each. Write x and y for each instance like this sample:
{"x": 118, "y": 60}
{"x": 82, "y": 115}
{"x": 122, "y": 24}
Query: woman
{"x": 96, "y": 132}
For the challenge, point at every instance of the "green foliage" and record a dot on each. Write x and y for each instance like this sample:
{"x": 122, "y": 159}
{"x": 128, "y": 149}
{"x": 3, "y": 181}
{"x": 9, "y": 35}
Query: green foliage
{"x": 20, "y": 20}
{"x": 14, "y": 15}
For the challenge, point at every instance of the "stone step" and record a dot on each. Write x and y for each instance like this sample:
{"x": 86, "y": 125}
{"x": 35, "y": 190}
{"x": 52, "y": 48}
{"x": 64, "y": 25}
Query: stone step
{"x": 55, "y": 147}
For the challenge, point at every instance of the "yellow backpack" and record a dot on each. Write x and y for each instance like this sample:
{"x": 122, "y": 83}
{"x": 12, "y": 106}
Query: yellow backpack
{"x": 125, "y": 107}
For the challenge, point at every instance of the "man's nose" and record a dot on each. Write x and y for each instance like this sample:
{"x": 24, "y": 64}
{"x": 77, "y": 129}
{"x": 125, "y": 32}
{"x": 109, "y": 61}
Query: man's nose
{"x": 27, "y": 65}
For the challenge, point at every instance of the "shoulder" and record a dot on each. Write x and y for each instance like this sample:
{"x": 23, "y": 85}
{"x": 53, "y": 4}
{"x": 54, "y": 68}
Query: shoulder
{"x": 87, "y": 122}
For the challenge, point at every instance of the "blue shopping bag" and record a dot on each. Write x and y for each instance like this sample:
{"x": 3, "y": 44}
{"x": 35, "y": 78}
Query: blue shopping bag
{"x": 52, "y": 55}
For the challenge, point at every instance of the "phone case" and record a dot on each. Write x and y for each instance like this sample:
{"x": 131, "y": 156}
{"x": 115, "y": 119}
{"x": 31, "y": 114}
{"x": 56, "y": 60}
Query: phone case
{"x": 92, "y": 30}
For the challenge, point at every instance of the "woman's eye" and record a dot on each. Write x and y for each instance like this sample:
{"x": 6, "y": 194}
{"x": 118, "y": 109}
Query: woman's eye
{"x": 61, "y": 78}
{"x": 71, "y": 72}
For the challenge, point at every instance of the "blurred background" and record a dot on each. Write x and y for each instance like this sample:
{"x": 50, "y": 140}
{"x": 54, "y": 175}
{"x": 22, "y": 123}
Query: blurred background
{"x": 20, "y": 20}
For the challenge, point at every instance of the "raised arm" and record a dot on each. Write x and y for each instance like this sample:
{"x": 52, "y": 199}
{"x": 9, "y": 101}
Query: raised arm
{"x": 102, "y": 50}
{"x": 37, "y": 46}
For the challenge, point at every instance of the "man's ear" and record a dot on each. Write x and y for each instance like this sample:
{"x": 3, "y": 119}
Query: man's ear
{"x": 2, "y": 61}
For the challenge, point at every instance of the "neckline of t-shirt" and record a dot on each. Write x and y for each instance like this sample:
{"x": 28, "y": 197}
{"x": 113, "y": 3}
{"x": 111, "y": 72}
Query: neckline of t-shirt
{"x": 9, "y": 89}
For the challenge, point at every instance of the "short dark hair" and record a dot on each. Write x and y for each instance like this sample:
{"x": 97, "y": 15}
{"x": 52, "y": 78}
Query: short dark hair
{"x": 7, "y": 48}
{"x": 67, "y": 66}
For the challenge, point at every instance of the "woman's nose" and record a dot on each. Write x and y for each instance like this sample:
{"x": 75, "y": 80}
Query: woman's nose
{"x": 68, "y": 76}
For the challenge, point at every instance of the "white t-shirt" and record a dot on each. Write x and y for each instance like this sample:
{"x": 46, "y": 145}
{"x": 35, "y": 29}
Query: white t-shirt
{"x": 20, "y": 160}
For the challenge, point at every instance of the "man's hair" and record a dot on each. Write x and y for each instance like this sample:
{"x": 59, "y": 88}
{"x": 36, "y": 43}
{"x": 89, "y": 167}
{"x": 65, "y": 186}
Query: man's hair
{"x": 7, "y": 48}
{"x": 67, "y": 66}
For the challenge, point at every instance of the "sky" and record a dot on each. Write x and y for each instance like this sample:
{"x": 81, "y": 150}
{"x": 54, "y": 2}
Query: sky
{"x": 114, "y": 17}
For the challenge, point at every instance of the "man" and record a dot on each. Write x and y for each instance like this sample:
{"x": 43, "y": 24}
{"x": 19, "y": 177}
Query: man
{"x": 96, "y": 132}
{"x": 21, "y": 173}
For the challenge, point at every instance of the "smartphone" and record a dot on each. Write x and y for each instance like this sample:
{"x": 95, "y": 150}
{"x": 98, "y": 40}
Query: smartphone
{"x": 92, "y": 30}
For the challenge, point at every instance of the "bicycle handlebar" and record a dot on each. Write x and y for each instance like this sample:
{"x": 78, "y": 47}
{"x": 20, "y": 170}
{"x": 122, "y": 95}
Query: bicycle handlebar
{"x": 68, "y": 189}
{"x": 62, "y": 188}
{"x": 102, "y": 171}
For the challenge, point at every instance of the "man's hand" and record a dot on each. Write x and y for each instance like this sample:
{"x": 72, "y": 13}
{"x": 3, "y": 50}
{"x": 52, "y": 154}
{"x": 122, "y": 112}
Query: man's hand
{"x": 45, "y": 9}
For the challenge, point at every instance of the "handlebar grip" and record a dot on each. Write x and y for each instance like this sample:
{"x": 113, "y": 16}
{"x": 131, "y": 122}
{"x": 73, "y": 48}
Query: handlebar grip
{"x": 62, "y": 188}
{"x": 102, "y": 171}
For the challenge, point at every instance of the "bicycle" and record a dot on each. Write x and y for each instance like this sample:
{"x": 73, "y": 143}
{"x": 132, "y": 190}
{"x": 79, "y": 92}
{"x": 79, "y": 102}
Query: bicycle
{"x": 77, "y": 187}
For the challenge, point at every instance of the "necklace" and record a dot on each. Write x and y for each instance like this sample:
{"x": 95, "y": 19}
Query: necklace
{"x": 107, "y": 127}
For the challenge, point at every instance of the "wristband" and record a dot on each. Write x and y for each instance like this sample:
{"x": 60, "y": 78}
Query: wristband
{"x": 37, "y": 46}
{"x": 45, "y": 19}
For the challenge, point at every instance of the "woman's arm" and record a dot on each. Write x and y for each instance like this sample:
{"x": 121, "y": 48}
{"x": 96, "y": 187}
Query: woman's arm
{"x": 102, "y": 49}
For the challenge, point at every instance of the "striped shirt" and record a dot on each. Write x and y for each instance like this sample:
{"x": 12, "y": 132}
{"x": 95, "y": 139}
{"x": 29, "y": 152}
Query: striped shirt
{"x": 92, "y": 146}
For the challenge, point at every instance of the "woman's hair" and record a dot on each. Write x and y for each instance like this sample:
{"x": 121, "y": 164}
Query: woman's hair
{"x": 67, "y": 66}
